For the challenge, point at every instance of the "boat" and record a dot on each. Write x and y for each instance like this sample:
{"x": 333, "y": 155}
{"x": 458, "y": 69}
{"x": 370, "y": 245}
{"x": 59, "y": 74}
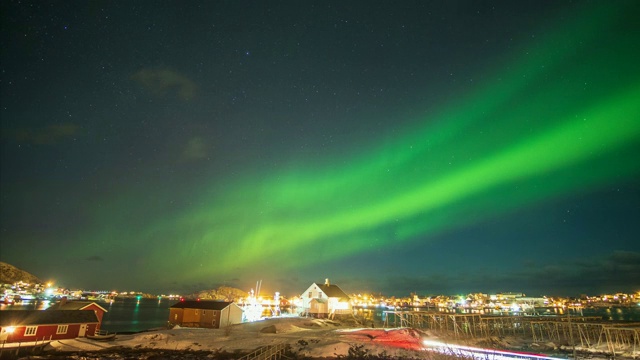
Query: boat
{"x": 102, "y": 336}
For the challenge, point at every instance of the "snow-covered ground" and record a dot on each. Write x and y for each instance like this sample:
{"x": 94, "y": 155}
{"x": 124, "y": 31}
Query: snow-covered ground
{"x": 307, "y": 337}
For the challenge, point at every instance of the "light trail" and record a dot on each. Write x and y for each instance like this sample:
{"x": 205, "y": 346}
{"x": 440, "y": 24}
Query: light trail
{"x": 480, "y": 353}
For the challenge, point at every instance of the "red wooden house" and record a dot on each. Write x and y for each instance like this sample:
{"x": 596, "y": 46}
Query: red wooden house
{"x": 39, "y": 325}
{"x": 80, "y": 305}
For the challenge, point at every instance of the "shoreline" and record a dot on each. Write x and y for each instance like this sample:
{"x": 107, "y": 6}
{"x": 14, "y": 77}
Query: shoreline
{"x": 296, "y": 350}
{"x": 141, "y": 352}
{"x": 306, "y": 338}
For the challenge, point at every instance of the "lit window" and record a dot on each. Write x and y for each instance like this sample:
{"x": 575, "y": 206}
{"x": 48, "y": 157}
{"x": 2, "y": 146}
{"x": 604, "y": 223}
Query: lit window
{"x": 30, "y": 331}
{"x": 62, "y": 329}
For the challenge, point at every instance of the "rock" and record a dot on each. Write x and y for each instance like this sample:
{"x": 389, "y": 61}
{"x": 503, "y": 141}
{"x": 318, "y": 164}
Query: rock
{"x": 269, "y": 329}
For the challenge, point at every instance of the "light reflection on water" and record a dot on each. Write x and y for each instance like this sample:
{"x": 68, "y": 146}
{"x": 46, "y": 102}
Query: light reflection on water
{"x": 611, "y": 314}
{"x": 123, "y": 315}
{"x": 27, "y": 305}
{"x": 131, "y": 315}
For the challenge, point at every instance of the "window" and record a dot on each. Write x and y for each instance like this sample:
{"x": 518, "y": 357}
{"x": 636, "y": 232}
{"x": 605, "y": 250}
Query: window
{"x": 309, "y": 294}
{"x": 62, "y": 329}
{"x": 30, "y": 331}
{"x": 204, "y": 312}
{"x": 320, "y": 295}
{"x": 196, "y": 312}
{"x": 175, "y": 316}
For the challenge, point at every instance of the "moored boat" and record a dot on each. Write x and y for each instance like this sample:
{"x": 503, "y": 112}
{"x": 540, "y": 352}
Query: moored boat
{"x": 102, "y": 336}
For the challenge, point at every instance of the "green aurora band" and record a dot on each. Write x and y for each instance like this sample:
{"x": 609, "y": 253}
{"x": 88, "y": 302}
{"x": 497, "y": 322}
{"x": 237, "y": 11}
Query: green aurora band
{"x": 562, "y": 120}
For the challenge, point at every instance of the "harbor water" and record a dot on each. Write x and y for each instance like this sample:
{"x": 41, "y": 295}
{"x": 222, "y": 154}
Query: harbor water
{"x": 132, "y": 315}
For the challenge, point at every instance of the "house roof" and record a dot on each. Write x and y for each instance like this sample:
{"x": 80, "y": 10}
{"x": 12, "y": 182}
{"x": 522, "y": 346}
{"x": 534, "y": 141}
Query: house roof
{"x": 204, "y": 305}
{"x": 333, "y": 291}
{"x": 74, "y": 305}
{"x": 44, "y": 317}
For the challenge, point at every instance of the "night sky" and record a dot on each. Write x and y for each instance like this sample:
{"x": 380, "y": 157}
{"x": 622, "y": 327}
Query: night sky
{"x": 436, "y": 147}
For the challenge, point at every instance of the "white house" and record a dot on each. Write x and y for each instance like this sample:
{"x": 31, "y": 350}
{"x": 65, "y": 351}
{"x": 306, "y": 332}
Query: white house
{"x": 325, "y": 300}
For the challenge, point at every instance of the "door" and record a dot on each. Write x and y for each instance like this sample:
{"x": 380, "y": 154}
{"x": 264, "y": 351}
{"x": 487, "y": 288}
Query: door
{"x": 83, "y": 330}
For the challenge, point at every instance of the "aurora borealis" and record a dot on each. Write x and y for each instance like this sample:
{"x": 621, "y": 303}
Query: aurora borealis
{"x": 428, "y": 147}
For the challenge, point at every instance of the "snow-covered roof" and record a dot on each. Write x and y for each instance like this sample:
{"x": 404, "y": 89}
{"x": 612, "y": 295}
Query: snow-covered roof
{"x": 46, "y": 317}
{"x": 333, "y": 291}
{"x": 74, "y": 305}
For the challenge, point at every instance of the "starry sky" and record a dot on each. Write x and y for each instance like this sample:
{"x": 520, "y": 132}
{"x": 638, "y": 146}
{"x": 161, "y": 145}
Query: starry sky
{"x": 434, "y": 147}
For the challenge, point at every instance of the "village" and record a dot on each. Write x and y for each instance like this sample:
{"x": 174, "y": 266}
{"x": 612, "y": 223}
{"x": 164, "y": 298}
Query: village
{"x": 74, "y": 316}
{"x": 505, "y": 301}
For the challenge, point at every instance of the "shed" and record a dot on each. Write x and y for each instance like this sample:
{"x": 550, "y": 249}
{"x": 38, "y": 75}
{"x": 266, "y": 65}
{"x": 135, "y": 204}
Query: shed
{"x": 205, "y": 314}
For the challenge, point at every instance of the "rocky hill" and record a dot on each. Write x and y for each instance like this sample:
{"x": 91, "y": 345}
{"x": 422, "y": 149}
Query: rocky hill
{"x": 10, "y": 274}
{"x": 224, "y": 293}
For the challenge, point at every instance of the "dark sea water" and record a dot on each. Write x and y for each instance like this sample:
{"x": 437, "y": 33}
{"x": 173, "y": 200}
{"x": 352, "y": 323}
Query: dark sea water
{"x": 123, "y": 315}
{"x": 614, "y": 314}
{"x": 128, "y": 315}
{"x": 131, "y": 315}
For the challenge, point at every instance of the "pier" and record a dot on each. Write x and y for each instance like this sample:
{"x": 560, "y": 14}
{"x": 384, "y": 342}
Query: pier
{"x": 588, "y": 332}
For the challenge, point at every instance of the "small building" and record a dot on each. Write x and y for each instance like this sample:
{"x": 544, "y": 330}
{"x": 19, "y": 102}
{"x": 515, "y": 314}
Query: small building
{"x": 325, "y": 300}
{"x": 40, "y": 325}
{"x": 205, "y": 314}
{"x": 80, "y": 305}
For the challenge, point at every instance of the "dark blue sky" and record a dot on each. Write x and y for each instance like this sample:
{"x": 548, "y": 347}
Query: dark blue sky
{"x": 172, "y": 146}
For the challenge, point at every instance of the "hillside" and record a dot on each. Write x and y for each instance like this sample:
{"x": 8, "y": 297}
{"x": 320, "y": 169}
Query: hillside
{"x": 224, "y": 293}
{"x": 10, "y": 274}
